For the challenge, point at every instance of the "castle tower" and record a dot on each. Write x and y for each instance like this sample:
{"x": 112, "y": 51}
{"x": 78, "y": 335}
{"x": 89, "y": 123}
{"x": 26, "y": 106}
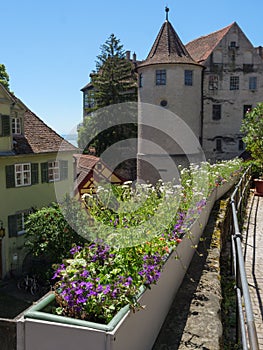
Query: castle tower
{"x": 172, "y": 81}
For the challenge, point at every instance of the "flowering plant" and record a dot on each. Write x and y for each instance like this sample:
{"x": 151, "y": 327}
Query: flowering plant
{"x": 101, "y": 278}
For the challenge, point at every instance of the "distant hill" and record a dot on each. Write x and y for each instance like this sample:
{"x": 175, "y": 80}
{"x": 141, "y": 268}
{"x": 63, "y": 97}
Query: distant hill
{"x": 72, "y": 138}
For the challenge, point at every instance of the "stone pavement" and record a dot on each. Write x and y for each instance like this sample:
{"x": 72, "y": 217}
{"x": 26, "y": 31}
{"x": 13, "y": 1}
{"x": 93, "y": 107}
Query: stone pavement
{"x": 253, "y": 255}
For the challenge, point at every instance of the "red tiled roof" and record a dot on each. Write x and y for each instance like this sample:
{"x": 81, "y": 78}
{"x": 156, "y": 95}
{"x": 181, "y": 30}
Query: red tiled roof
{"x": 167, "y": 48}
{"x": 201, "y": 48}
{"x": 39, "y": 138}
{"x": 86, "y": 161}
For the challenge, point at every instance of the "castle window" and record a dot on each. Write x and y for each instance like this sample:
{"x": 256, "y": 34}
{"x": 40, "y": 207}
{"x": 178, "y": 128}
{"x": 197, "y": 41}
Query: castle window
{"x": 216, "y": 112}
{"x": 188, "y": 77}
{"x": 233, "y": 44}
{"x": 252, "y": 83}
{"x": 246, "y": 109}
{"x": 213, "y": 82}
{"x": 163, "y": 103}
{"x": 140, "y": 80}
{"x": 241, "y": 145}
{"x": 234, "y": 83}
{"x": 219, "y": 145}
{"x": 161, "y": 77}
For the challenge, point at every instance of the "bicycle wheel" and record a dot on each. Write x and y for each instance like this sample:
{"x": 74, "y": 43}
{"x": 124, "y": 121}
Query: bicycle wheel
{"x": 34, "y": 289}
{"x": 22, "y": 284}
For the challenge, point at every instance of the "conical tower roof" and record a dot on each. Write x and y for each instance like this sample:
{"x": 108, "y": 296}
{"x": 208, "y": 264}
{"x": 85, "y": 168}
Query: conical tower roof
{"x": 167, "y": 48}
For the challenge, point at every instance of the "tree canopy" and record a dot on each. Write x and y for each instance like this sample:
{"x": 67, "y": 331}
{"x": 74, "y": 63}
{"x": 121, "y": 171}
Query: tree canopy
{"x": 4, "y": 77}
{"x": 51, "y": 231}
{"x": 113, "y": 82}
{"x": 252, "y": 127}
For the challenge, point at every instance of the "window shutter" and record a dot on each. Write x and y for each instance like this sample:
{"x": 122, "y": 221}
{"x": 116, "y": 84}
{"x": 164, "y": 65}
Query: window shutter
{"x": 12, "y": 225}
{"x": 44, "y": 172}
{"x": 34, "y": 173}
{"x": 10, "y": 176}
{"x": 5, "y": 125}
{"x": 63, "y": 165}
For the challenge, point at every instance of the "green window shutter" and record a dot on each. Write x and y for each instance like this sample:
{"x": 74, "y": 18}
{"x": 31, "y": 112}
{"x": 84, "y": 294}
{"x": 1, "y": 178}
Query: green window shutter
{"x": 10, "y": 176}
{"x": 44, "y": 172}
{"x": 34, "y": 173}
{"x": 63, "y": 165}
{"x": 5, "y": 125}
{"x": 12, "y": 225}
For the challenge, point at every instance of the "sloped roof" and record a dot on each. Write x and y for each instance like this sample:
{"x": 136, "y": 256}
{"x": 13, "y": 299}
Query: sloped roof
{"x": 85, "y": 165}
{"x": 86, "y": 161}
{"x": 39, "y": 138}
{"x": 201, "y": 48}
{"x": 167, "y": 48}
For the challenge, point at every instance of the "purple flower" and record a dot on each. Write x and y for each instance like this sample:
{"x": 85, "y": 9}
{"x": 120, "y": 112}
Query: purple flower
{"x": 107, "y": 289}
{"x": 75, "y": 249}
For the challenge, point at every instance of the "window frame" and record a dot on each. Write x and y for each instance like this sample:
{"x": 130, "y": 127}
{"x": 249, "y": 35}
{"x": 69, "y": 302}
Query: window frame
{"x": 246, "y": 109}
{"x": 16, "y": 125}
{"x": 160, "y": 77}
{"x": 213, "y": 82}
{"x": 252, "y": 84}
{"x": 140, "y": 80}
{"x": 53, "y": 171}
{"x": 25, "y": 174}
{"x": 20, "y": 220}
{"x": 216, "y": 112}
{"x": 241, "y": 145}
{"x": 234, "y": 83}
{"x": 188, "y": 77}
{"x": 219, "y": 145}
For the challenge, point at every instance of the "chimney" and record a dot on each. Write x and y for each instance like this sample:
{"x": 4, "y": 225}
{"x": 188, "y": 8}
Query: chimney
{"x": 128, "y": 55}
{"x": 260, "y": 51}
{"x": 134, "y": 58}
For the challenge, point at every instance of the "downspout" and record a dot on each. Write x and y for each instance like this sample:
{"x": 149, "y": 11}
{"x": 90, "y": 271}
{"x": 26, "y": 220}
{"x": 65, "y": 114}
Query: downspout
{"x": 202, "y": 109}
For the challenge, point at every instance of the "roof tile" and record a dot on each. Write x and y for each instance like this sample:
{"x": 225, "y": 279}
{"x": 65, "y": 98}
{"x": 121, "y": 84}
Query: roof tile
{"x": 201, "y": 48}
{"x": 167, "y": 48}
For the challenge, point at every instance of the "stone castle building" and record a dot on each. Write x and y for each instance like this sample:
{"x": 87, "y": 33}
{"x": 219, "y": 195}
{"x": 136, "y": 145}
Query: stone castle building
{"x": 210, "y": 83}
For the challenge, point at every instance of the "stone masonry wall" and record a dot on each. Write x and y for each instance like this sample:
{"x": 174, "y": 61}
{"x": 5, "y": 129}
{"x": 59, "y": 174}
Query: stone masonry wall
{"x": 194, "y": 320}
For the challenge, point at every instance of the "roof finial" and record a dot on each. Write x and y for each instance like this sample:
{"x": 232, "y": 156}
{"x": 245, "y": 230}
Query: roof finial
{"x": 167, "y": 11}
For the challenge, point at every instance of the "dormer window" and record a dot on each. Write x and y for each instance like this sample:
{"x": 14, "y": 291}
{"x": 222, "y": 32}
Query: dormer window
{"x": 16, "y": 126}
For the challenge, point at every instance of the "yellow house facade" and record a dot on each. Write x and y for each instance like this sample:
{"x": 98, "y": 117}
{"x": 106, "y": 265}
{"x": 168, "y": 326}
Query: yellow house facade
{"x": 35, "y": 164}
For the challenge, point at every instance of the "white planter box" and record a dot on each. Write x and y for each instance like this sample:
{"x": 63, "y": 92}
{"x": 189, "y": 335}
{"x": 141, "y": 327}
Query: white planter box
{"x": 127, "y": 330}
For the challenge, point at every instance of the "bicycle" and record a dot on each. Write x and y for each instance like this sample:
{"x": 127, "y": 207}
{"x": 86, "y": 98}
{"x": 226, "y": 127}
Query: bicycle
{"x": 29, "y": 284}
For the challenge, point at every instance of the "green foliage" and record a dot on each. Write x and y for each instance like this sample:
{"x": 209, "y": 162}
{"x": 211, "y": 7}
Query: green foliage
{"x": 106, "y": 275}
{"x": 49, "y": 234}
{"x": 252, "y": 127}
{"x": 105, "y": 127}
{"x": 113, "y": 82}
{"x": 4, "y": 77}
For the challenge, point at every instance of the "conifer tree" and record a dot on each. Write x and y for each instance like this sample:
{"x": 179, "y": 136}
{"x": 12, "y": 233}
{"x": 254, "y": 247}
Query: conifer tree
{"x": 114, "y": 81}
{"x": 4, "y": 77}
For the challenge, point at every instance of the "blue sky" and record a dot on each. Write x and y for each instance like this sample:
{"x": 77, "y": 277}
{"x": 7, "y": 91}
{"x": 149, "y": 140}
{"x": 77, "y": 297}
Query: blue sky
{"x": 50, "y": 47}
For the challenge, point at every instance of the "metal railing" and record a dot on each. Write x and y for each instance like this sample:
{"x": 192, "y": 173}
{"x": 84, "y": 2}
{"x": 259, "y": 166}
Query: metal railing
{"x": 246, "y": 330}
